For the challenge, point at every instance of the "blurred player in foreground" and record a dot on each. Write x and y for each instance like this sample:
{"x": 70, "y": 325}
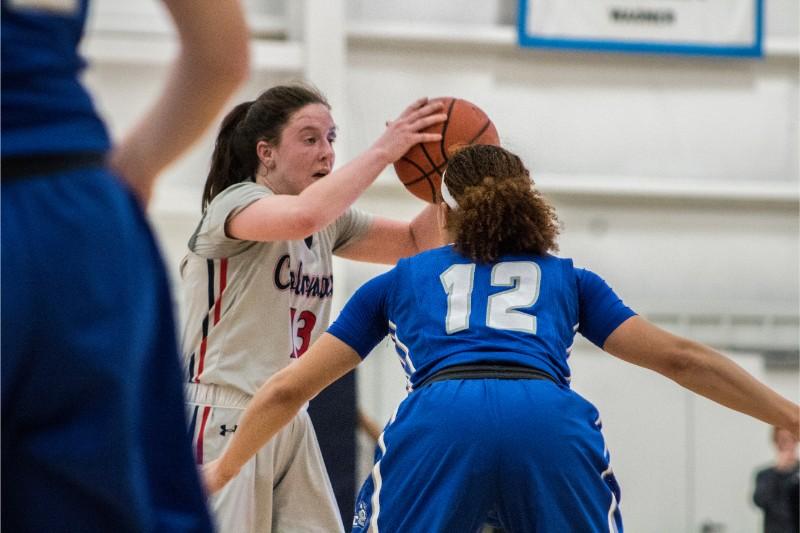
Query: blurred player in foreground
{"x": 93, "y": 422}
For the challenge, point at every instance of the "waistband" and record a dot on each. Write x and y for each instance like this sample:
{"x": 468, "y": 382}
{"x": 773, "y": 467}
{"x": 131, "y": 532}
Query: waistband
{"x": 216, "y": 395}
{"x": 485, "y": 371}
{"x": 28, "y": 166}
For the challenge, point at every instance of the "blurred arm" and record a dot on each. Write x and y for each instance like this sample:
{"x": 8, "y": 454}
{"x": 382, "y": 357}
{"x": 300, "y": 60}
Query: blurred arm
{"x": 213, "y": 61}
{"x": 701, "y": 370}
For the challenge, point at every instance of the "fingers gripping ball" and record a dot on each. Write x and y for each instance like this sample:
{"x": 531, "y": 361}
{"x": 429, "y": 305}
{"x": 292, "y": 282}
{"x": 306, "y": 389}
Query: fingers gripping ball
{"x": 421, "y": 168}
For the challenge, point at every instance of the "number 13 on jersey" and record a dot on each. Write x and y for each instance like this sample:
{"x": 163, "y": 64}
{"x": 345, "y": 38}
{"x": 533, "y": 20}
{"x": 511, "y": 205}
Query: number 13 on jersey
{"x": 524, "y": 279}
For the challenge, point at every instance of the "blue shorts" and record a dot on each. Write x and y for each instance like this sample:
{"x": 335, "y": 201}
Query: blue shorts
{"x": 93, "y": 423}
{"x": 526, "y": 454}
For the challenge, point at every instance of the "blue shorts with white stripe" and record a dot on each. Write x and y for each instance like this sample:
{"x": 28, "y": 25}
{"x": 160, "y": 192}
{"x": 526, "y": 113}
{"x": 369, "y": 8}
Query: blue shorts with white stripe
{"x": 528, "y": 453}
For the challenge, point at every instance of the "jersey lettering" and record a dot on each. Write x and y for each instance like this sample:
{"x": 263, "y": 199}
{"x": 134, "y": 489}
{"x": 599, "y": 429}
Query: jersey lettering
{"x": 301, "y": 284}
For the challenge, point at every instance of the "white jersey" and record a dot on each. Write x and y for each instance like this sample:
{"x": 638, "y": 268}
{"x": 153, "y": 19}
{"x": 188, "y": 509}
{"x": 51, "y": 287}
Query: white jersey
{"x": 250, "y": 307}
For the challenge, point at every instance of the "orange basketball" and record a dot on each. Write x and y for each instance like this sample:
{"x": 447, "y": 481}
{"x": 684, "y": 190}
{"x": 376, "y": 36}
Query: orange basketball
{"x": 421, "y": 168}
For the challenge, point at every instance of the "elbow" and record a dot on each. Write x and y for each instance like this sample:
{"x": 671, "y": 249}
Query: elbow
{"x": 682, "y": 362}
{"x": 306, "y": 220}
{"x": 285, "y": 395}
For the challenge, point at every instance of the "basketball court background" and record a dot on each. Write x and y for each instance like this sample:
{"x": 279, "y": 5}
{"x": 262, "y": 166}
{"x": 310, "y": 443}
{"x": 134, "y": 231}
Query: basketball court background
{"x": 676, "y": 178}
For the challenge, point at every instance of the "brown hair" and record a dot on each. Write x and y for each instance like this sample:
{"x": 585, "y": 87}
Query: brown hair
{"x": 234, "y": 159}
{"x": 499, "y": 212}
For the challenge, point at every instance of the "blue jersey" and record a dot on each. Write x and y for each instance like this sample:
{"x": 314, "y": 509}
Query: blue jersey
{"x": 442, "y": 309}
{"x": 45, "y": 109}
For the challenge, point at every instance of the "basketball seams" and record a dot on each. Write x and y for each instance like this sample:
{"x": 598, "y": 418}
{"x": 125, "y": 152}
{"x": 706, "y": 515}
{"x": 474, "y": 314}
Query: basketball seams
{"x": 416, "y": 165}
{"x": 422, "y": 173}
{"x": 434, "y": 166}
{"x": 458, "y": 129}
{"x": 481, "y": 131}
{"x": 444, "y": 129}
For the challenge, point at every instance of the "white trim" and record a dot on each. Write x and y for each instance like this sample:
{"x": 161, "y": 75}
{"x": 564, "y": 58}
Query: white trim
{"x": 486, "y": 37}
{"x": 402, "y": 346}
{"x": 671, "y": 189}
{"x": 377, "y": 480}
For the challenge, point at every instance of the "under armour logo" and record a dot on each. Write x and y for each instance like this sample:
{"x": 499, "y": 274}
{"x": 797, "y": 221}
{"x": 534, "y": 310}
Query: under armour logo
{"x": 223, "y": 429}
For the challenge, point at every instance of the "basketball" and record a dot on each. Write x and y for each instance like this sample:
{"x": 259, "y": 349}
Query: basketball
{"x": 421, "y": 168}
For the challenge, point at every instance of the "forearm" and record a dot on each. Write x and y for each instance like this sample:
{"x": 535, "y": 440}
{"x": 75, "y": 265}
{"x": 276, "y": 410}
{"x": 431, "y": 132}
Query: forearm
{"x": 329, "y": 197}
{"x": 701, "y": 370}
{"x": 719, "y": 379}
{"x": 279, "y": 399}
{"x": 212, "y": 62}
{"x": 265, "y": 415}
{"x": 332, "y": 195}
{"x": 387, "y": 241}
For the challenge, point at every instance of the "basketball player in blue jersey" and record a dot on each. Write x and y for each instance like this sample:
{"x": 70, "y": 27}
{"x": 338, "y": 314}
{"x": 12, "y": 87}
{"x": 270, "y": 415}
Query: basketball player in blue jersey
{"x": 483, "y": 328}
{"x": 94, "y": 433}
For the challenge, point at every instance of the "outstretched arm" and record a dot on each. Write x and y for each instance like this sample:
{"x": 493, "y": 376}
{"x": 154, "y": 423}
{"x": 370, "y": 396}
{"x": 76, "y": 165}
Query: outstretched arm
{"x": 213, "y": 61}
{"x": 701, "y": 370}
{"x": 278, "y": 401}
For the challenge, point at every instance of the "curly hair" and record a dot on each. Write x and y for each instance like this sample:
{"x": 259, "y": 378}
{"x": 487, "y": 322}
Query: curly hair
{"x": 499, "y": 211}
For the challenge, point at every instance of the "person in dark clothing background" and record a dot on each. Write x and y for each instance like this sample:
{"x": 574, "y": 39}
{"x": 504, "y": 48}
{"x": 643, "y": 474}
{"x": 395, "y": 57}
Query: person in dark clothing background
{"x": 777, "y": 490}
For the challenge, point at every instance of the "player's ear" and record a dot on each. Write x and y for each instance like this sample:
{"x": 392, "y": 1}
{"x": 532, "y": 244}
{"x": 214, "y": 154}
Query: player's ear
{"x": 266, "y": 153}
{"x": 441, "y": 216}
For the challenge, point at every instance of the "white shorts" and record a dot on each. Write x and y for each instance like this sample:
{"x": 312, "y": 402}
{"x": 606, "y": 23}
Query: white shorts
{"x": 283, "y": 488}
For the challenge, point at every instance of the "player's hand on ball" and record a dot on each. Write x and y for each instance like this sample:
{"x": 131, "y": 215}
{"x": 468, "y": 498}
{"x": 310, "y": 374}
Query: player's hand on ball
{"x": 406, "y": 130}
{"x": 214, "y": 478}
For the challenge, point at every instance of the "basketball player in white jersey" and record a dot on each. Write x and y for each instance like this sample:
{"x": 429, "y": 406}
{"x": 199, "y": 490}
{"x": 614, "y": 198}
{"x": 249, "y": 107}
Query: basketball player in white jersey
{"x": 258, "y": 285}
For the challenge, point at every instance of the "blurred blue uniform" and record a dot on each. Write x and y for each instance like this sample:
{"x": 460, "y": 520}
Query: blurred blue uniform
{"x": 528, "y": 452}
{"x": 94, "y": 434}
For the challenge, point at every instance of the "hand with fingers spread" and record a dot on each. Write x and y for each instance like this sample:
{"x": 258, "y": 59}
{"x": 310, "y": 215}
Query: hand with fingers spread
{"x": 409, "y": 129}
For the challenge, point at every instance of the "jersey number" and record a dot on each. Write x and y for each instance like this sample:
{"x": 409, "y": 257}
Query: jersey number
{"x": 302, "y": 325}
{"x": 524, "y": 278}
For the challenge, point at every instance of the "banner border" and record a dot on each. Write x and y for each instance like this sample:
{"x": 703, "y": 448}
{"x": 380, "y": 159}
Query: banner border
{"x": 754, "y": 50}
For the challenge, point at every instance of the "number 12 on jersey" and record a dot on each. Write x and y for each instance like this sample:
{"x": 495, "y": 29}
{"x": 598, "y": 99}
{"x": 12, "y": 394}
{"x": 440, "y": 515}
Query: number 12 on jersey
{"x": 524, "y": 278}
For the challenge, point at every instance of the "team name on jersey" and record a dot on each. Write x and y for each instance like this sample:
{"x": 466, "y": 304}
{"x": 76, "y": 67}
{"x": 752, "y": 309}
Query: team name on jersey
{"x": 300, "y": 283}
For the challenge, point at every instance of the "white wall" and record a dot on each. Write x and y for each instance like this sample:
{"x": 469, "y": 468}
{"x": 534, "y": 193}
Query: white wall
{"x": 675, "y": 179}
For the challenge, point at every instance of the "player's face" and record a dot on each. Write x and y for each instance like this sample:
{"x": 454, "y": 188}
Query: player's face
{"x": 305, "y": 152}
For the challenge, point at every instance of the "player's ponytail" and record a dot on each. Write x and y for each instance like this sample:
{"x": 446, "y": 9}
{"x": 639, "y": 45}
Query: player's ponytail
{"x": 498, "y": 211}
{"x": 228, "y": 167}
{"x": 235, "y": 158}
